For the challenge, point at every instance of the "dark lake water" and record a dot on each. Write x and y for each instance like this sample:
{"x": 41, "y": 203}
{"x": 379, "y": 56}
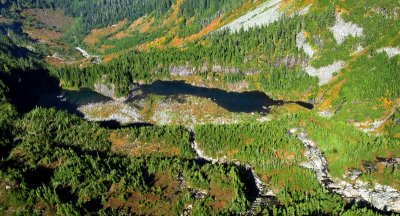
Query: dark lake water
{"x": 70, "y": 100}
{"x": 251, "y": 101}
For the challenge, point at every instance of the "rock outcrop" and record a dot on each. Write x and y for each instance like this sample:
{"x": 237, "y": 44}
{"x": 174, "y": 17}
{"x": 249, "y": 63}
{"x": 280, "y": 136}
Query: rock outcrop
{"x": 225, "y": 70}
{"x": 381, "y": 197}
{"x": 265, "y": 14}
{"x": 341, "y": 30}
{"x": 182, "y": 71}
{"x": 325, "y": 74}
{"x": 390, "y": 51}
{"x": 120, "y": 112}
{"x": 105, "y": 89}
{"x": 302, "y": 44}
{"x": 97, "y": 59}
{"x": 188, "y": 70}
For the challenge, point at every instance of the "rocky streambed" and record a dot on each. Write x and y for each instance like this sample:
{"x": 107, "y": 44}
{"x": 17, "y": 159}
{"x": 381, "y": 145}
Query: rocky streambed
{"x": 382, "y": 197}
{"x": 88, "y": 56}
{"x": 261, "y": 195}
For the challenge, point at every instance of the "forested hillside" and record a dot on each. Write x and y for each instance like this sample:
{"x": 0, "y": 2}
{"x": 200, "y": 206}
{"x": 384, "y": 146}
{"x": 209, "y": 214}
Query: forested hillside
{"x": 207, "y": 107}
{"x": 98, "y": 13}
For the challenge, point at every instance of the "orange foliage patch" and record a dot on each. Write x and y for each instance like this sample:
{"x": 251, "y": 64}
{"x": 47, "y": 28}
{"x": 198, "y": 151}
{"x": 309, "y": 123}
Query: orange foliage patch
{"x": 207, "y": 29}
{"x": 104, "y": 47}
{"x": 121, "y": 34}
{"x": 175, "y": 10}
{"x": 333, "y": 94}
{"x": 284, "y": 155}
{"x": 94, "y": 37}
{"x": 4, "y": 20}
{"x": 247, "y": 6}
{"x": 215, "y": 24}
{"x": 122, "y": 144}
{"x": 169, "y": 184}
{"x": 284, "y": 4}
{"x": 136, "y": 23}
{"x": 308, "y": 2}
{"x": 53, "y": 61}
{"x": 108, "y": 58}
{"x": 157, "y": 43}
{"x": 232, "y": 152}
{"x": 387, "y": 103}
{"x": 291, "y": 6}
{"x": 222, "y": 195}
{"x": 117, "y": 140}
{"x": 145, "y": 27}
{"x": 340, "y": 10}
{"x": 176, "y": 42}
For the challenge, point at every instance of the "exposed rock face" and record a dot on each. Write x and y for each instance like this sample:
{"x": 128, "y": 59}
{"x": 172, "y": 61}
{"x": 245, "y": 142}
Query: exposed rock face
{"x": 341, "y": 30}
{"x": 225, "y": 70}
{"x": 382, "y": 197}
{"x": 251, "y": 72}
{"x": 305, "y": 10}
{"x": 290, "y": 62}
{"x": 200, "y": 153}
{"x": 392, "y": 13}
{"x": 205, "y": 67}
{"x": 301, "y": 44}
{"x": 188, "y": 70}
{"x": 265, "y": 14}
{"x": 358, "y": 49}
{"x": 353, "y": 174}
{"x": 326, "y": 113}
{"x": 381, "y": 10}
{"x": 105, "y": 89}
{"x": 182, "y": 71}
{"x": 369, "y": 166}
{"x": 325, "y": 74}
{"x": 198, "y": 193}
{"x": 373, "y": 126}
{"x": 318, "y": 41}
{"x": 390, "y": 51}
{"x": 181, "y": 181}
{"x": 391, "y": 162}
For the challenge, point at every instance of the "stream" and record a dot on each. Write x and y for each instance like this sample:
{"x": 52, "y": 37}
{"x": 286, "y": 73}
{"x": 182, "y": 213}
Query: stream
{"x": 384, "y": 198}
{"x": 381, "y": 197}
{"x": 87, "y": 55}
{"x": 260, "y": 195}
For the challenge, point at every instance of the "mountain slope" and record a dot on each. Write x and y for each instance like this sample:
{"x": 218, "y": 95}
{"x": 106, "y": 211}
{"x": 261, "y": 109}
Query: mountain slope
{"x": 200, "y": 107}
